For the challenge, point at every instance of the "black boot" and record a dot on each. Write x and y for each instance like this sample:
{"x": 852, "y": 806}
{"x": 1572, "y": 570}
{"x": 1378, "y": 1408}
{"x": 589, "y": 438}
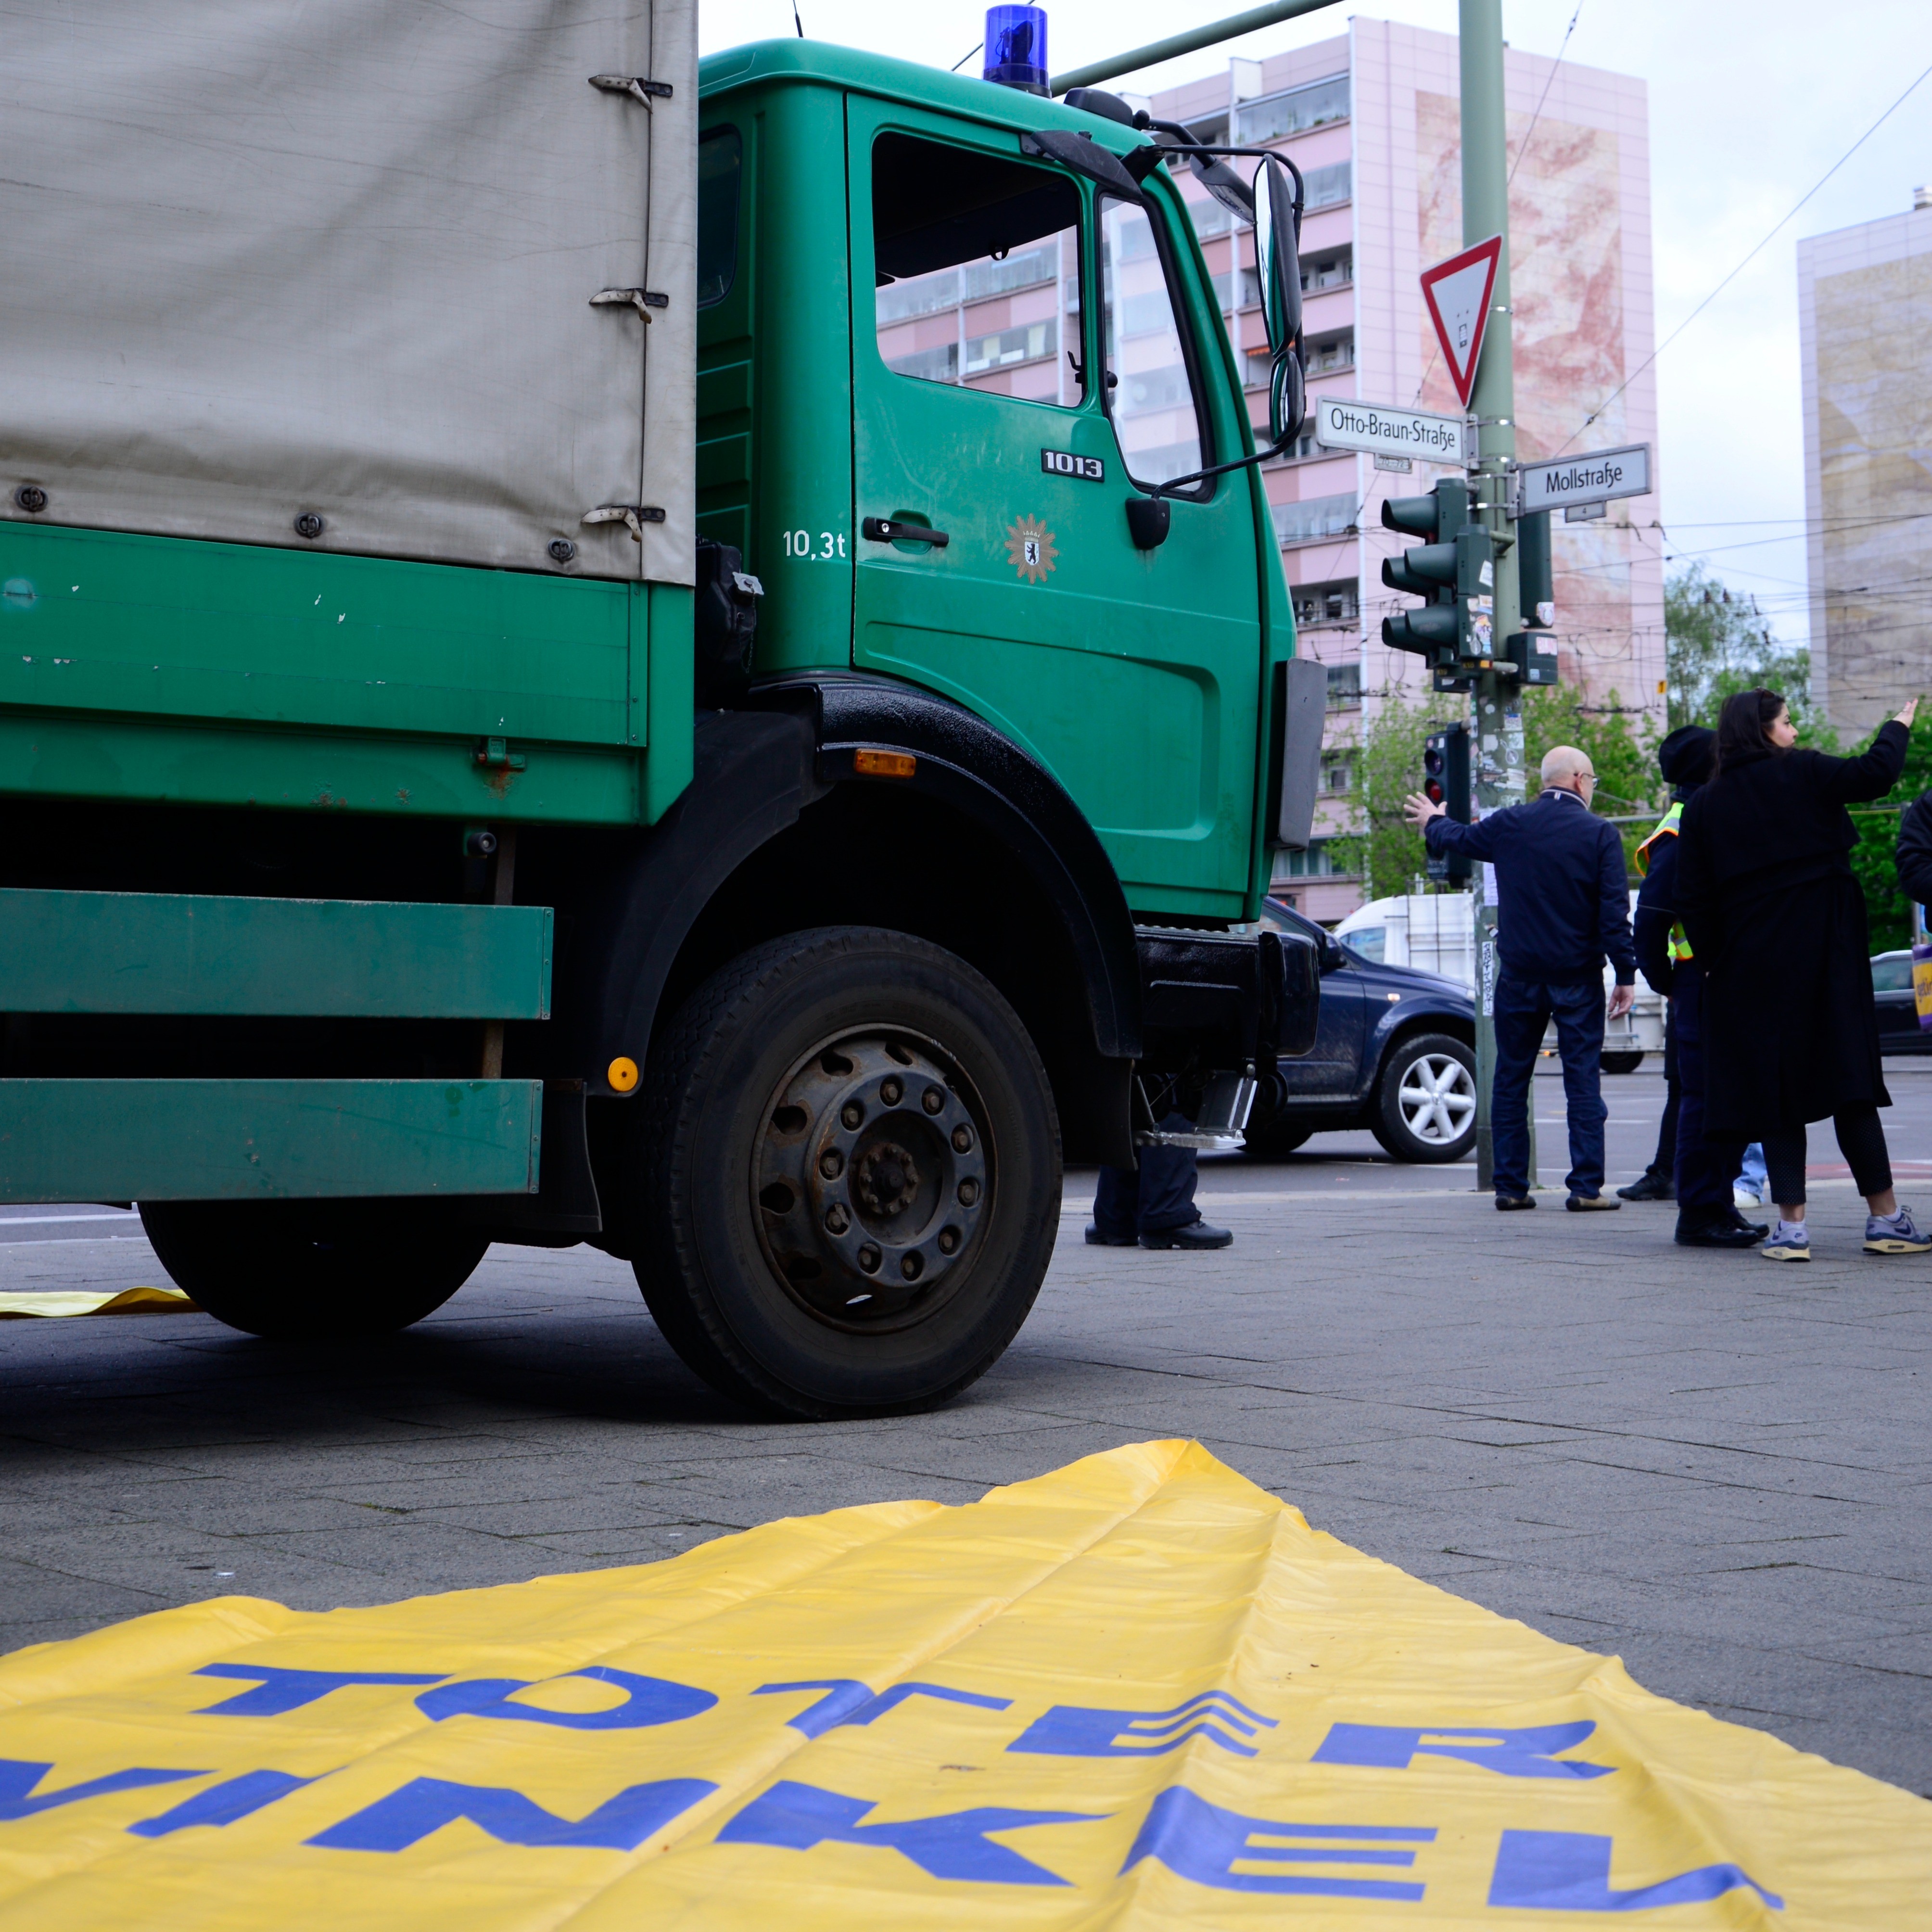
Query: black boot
{"x": 1649, "y": 1186}
{"x": 1713, "y": 1227}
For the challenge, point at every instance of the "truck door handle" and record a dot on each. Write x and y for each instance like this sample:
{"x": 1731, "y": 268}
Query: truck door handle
{"x": 888, "y": 529}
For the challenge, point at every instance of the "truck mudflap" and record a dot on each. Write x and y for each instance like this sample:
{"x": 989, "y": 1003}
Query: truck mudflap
{"x": 1217, "y": 1010}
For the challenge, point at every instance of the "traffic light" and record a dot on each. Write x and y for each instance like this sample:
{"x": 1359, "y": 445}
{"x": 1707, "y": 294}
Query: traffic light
{"x": 1445, "y": 781}
{"x": 1453, "y": 632}
{"x": 1533, "y": 665}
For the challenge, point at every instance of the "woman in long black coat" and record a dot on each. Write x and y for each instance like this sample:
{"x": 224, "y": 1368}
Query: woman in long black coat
{"x": 1777, "y": 921}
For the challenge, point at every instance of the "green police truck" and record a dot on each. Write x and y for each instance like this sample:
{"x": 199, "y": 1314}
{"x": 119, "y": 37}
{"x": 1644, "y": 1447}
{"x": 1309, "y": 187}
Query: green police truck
{"x": 595, "y": 649}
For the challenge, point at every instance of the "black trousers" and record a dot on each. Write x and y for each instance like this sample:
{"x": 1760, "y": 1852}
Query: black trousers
{"x": 1158, "y": 1196}
{"x": 1860, "y": 1140}
{"x": 1704, "y": 1169}
{"x": 1664, "y": 1161}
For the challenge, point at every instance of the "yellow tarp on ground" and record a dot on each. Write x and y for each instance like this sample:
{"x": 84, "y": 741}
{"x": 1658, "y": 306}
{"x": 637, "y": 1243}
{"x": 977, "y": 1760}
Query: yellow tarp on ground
{"x": 98, "y": 1301}
{"x": 1137, "y": 1693}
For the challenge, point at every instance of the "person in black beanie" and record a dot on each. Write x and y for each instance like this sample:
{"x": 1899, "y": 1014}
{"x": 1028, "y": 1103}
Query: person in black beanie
{"x": 1699, "y": 1176}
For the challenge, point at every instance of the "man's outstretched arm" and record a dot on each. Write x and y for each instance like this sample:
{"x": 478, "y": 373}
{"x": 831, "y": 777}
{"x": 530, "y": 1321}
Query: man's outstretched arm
{"x": 1441, "y": 833}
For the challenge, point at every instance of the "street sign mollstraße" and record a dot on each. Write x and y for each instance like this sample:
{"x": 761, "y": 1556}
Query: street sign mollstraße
{"x": 1598, "y": 476}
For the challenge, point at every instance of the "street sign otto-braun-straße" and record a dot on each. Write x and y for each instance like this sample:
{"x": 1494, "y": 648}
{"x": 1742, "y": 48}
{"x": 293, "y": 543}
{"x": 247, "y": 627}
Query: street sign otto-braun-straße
{"x": 1340, "y": 424}
{"x": 1598, "y": 476}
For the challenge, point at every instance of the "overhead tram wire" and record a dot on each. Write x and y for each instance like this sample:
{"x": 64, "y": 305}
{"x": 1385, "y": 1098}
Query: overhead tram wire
{"x": 1747, "y": 261}
{"x": 1528, "y": 132}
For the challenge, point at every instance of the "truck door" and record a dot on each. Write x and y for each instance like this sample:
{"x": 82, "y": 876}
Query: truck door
{"x": 985, "y": 408}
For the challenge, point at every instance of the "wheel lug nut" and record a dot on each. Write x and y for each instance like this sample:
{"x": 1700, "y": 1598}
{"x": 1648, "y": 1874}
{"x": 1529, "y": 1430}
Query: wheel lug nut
{"x": 962, "y": 1140}
{"x": 935, "y": 1101}
{"x": 912, "y": 1267}
{"x": 969, "y": 1192}
{"x": 890, "y": 1091}
{"x": 852, "y": 1114}
{"x": 869, "y": 1259}
{"x": 836, "y": 1219}
{"x": 832, "y": 1163}
{"x": 949, "y": 1241}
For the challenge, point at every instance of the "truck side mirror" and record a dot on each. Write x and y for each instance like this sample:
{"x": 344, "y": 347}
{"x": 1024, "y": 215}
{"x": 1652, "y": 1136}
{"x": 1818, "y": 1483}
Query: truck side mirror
{"x": 1278, "y": 254}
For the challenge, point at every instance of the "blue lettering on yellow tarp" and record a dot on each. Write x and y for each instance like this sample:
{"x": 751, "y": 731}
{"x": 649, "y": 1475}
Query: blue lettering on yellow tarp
{"x": 426, "y": 1804}
{"x": 278, "y": 1691}
{"x": 1512, "y": 1753}
{"x": 647, "y": 1701}
{"x": 1074, "y": 1730}
{"x": 1570, "y": 1871}
{"x": 952, "y": 1845}
{"x": 222, "y": 1804}
{"x": 846, "y": 1701}
{"x": 1201, "y": 1841}
{"x": 19, "y": 1779}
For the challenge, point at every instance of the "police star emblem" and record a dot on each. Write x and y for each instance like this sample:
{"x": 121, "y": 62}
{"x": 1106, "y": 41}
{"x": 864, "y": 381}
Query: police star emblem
{"x": 1030, "y": 549}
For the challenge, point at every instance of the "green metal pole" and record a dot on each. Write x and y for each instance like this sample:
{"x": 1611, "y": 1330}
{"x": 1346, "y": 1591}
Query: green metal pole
{"x": 1195, "y": 38}
{"x": 1496, "y": 719}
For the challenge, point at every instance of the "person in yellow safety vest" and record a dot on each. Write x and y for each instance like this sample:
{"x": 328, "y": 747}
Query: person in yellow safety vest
{"x": 1697, "y": 1177}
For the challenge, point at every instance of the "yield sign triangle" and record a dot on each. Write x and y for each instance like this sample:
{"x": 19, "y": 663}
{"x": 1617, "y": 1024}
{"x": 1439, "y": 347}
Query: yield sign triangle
{"x": 1457, "y": 291}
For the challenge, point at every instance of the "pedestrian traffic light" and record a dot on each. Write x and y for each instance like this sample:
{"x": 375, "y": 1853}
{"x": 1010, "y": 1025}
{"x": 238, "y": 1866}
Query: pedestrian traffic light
{"x": 1445, "y": 781}
{"x": 1536, "y": 579}
{"x": 1456, "y": 573}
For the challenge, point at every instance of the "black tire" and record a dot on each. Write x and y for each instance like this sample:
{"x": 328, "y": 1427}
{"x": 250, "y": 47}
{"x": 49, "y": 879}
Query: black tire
{"x": 1277, "y": 1141}
{"x": 1622, "y": 1063}
{"x": 1416, "y": 1070}
{"x": 809, "y": 1267}
{"x": 313, "y": 1270}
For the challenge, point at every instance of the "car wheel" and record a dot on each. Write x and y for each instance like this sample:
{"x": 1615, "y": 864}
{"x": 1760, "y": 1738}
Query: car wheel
{"x": 1426, "y": 1100}
{"x": 1275, "y": 1141}
{"x": 846, "y": 1176}
{"x": 1622, "y": 1063}
{"x": 313, "y": 1270}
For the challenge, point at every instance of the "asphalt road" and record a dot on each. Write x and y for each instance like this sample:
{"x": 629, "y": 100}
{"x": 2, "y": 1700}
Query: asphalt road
{"x": 1715, "y": 1466}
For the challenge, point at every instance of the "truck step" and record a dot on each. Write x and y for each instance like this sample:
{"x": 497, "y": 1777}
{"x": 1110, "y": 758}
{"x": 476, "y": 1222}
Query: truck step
{"x": 157, "y": 953}
{"x": 266, "y": 1140}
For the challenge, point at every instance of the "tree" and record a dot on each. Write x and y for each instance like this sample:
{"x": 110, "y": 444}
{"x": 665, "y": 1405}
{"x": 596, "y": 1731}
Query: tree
{"x": 1716, "y": 644}
{"x": 1389, "y": 853}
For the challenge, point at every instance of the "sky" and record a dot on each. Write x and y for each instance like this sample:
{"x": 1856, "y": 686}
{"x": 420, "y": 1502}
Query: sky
{"x": 1750, "y": 105}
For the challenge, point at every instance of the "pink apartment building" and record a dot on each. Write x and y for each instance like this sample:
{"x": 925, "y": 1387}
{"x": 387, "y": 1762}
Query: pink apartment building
{"x": 1371, "y": 119}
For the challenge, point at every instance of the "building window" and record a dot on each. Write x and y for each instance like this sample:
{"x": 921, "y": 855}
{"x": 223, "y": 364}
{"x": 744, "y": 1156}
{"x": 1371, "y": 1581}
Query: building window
{"x": 1027, "y": 344}
{"x": 1328, "y": 353}
{"x": 1325, "y": 603}
{"x": 1315, "y": 104}
{"x": 1317, "y": 516}
{"x": 929, "y": 365}
{"x": 1317, "y": 862}
{"x": 1345, "y": 685}
{"x": 1338, "y": 774}
{"x": 1327, "y": 188}
{"x": 1328, "y": 272}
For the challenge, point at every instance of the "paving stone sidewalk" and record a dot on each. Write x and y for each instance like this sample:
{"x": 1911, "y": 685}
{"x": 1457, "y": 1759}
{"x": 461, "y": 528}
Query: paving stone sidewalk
{"x": 1714, "y": 1466}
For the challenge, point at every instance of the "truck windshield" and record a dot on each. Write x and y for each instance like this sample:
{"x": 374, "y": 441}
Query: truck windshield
{"x": 977, "y": 269}
{"x": 1156, "y": 410}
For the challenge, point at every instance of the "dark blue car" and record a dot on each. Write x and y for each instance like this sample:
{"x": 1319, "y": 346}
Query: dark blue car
{"x": 1395, "y": 1053}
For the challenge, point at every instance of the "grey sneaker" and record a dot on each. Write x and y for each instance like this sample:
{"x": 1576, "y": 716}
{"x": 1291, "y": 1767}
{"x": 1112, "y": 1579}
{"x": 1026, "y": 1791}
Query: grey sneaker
{"x": 1788, "y": 1243}
{"x": 1896, "y": 1235}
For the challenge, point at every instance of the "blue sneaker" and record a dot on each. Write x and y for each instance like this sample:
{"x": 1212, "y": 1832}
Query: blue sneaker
{"x": 1895, "y": 1234}
{"x": 1790, "y": 1241}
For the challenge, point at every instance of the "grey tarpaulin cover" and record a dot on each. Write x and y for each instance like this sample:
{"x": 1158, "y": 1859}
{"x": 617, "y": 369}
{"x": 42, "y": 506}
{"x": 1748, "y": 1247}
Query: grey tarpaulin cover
{"x": 259, "y": 258}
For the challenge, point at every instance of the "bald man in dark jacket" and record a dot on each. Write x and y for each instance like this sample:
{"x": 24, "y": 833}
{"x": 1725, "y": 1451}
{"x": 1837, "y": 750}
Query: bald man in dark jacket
{"x": 1563, "y": 905}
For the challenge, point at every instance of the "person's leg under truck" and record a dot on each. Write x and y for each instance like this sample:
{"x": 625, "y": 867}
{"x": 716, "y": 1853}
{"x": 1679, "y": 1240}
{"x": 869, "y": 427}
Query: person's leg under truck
{"x": 1703, "y": 1172}
{"x": 1579, "y": 1010}
{"x": 1116, "y": 1201}
{"x": 1168, "y": 1178}
{"x": 1522, "y": 1013}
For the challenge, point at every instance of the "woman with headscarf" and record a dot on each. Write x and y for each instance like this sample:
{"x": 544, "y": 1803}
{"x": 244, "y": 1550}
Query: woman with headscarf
{"x": 1777, "y": 921}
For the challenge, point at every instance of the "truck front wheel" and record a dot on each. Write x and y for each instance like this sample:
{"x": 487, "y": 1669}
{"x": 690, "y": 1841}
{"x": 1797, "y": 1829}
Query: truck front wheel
{"x": 310, "y": 1270}
{"x": 847, "y": 1176}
